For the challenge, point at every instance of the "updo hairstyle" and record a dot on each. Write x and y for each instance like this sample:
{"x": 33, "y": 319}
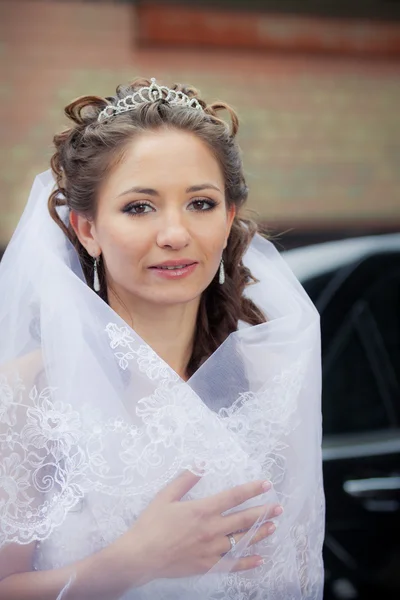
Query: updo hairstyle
{"x": 88, "y": 150}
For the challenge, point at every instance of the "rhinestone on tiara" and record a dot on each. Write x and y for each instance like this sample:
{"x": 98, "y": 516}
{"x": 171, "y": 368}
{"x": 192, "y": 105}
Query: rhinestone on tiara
{"x": 151, "y": 93}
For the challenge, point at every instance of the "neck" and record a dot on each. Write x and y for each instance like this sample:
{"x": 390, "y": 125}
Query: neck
{"x": 168, "y": 330}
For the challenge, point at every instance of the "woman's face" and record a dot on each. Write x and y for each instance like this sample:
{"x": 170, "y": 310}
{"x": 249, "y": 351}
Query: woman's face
{"x": 161, "y": 222}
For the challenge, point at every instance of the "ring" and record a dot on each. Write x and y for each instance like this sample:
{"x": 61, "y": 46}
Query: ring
{"x": 232, "y": 540}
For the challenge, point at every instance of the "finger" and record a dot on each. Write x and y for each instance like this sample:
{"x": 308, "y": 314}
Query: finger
{"x": 180, "y": 486}
{"x": 223, "y": 545}
{"x": 246, "y": 563}
{"x": 261, "y": 534}
{"x": 245, "y": 519}
{"x": 237, "y": 495}
{"x": 239, "y": 564}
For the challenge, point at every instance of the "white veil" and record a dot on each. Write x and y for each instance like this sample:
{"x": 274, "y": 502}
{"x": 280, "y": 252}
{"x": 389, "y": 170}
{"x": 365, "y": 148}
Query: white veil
{"x": 93, "y": 423}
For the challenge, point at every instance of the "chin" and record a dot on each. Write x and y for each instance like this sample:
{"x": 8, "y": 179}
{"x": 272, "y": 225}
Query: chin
{"x": 171, "y": 297}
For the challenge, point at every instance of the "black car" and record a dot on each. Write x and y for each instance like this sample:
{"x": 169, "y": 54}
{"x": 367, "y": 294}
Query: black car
{"x": 355, "y": 285}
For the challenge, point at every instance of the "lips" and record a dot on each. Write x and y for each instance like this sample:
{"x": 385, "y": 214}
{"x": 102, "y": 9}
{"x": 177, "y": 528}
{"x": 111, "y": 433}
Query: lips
{"x": 171, "y": 268}
{"x": 170, "y": 265}
{"x": 174, "y": 270}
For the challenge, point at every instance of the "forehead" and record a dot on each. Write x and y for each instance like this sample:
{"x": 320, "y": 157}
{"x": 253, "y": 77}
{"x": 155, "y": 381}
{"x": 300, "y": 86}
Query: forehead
{"x": 163, "y": 158}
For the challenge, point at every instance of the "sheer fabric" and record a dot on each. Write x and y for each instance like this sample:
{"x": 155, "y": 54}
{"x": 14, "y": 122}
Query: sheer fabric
{"x": 93, "y": 423}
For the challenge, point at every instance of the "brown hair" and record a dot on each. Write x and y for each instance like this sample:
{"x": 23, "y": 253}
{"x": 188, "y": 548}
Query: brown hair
{"x": 88, "y": 150}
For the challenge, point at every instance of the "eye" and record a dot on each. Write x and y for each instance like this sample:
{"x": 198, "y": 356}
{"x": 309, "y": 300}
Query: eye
{"x": 138, "y": 208}
{"x": 202, "y": 204}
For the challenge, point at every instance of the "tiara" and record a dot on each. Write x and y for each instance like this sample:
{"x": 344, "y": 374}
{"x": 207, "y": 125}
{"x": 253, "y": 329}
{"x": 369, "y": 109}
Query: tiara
{"x": 151, "y": 93}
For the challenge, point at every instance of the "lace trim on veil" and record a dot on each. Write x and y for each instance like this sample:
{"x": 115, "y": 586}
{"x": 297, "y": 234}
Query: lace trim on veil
{"x": 60, "y": 454}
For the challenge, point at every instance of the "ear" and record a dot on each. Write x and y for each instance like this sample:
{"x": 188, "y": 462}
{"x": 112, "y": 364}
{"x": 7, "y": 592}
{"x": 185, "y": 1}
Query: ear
{"x": 85, "y": 231}
{"x": 231, "y": 214}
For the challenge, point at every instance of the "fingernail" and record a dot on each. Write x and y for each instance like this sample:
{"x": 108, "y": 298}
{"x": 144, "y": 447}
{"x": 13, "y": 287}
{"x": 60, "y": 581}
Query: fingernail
{"x": 271, "y": 527}
{"x": 278, "y": 510}
{"x": 267, "y": 485}
{"x": 260, "y": 562}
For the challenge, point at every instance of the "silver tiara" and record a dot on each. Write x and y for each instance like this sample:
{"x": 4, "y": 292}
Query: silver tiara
{"x": 150, "y": 93}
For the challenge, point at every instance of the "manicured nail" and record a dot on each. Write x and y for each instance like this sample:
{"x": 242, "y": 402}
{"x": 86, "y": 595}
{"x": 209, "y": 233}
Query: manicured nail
{"x": 260, "y": 562}
{"x": 271, "y": 527}
{"x": 278, "y": 510}
{"x": 267, "y": 485}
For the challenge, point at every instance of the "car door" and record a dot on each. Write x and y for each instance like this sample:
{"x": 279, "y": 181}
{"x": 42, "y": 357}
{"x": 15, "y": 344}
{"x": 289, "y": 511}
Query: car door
{"x": 359, "y": 306}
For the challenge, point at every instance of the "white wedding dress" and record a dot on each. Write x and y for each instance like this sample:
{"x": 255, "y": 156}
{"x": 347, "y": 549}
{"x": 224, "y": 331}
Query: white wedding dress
{"x": 93, "y": 423}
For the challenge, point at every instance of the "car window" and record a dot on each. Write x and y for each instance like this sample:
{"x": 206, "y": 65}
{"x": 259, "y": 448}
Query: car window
{"x": 360, "y": 324}
{"x": 350, "y": 399}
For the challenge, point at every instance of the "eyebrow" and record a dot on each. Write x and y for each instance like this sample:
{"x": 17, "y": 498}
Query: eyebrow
{"x": 151, "y": 192}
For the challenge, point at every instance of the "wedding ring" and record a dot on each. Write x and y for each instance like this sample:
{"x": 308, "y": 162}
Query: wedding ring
{"x": 232, "y": 541}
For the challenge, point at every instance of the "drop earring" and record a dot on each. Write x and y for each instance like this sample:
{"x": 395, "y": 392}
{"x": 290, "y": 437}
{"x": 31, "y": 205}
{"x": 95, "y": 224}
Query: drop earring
{"x": 221, "y": 278}
{"x": 96, "y": 281}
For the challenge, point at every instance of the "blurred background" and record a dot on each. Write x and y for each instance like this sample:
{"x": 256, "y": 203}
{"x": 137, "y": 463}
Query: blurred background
{"x": 316, "y": 83}
{"x": 317, "y": 86}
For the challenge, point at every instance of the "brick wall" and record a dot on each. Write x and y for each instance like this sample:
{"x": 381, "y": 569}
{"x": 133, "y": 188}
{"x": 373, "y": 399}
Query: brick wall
{"x": 321, "y": 136}
{"x": 198, "y": 24}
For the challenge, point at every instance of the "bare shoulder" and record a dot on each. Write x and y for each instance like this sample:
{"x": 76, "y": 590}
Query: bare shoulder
{"x": 26, "y": 366}
{"x": 18, "y": 377}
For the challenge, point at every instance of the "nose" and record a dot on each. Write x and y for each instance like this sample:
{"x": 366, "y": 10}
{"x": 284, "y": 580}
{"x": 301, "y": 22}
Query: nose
{"x": 173, "y": 233}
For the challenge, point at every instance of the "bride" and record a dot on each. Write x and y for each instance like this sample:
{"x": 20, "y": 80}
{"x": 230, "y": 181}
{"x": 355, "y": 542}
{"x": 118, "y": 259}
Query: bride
{"x": 160, "y": 424}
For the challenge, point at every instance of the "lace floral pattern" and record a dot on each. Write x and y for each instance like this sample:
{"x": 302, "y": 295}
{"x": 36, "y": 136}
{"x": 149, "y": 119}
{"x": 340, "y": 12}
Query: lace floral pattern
{"x": 146, "y": 358}
{"x": 43, "y": 466}
{"x": 60, "y": 457}
{"x": 9, "y": 398}
{"x": 52, "y": 426}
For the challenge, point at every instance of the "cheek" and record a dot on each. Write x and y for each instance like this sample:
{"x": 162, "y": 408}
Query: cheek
{"x": 121, "y": 241}
{"x": 212, "y": 236}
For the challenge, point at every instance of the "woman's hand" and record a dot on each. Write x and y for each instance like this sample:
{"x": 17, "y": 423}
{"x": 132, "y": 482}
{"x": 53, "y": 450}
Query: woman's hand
{"x": 170, "y": 539}
{"x": 179, "y": 539}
